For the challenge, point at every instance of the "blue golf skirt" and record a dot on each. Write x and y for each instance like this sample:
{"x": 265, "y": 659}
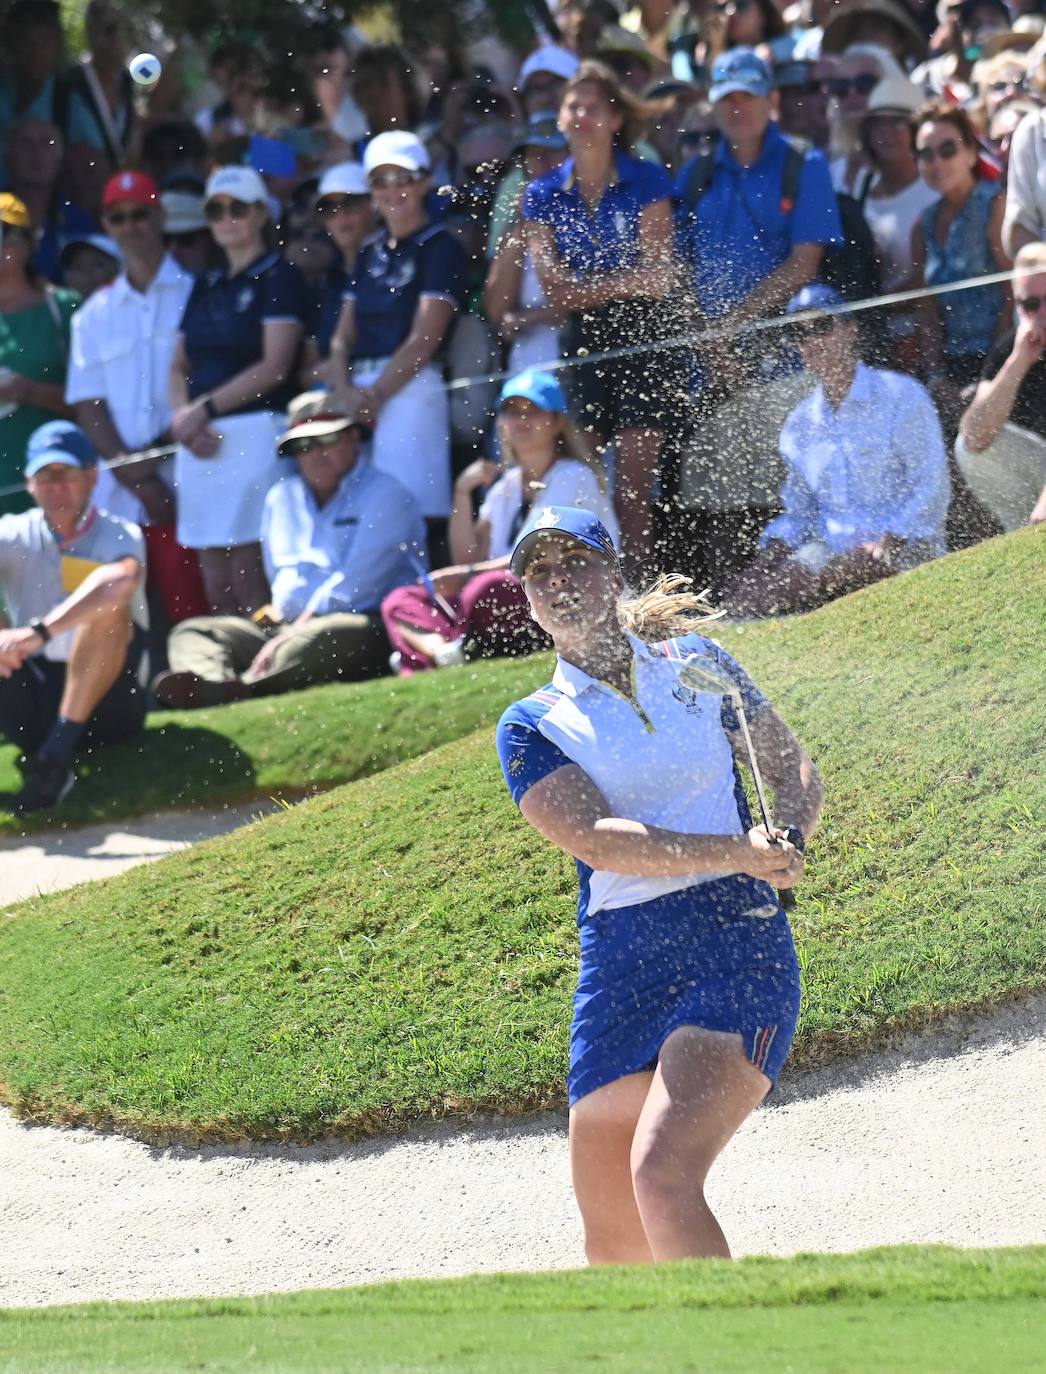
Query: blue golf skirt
{"x": 691, "y": 958}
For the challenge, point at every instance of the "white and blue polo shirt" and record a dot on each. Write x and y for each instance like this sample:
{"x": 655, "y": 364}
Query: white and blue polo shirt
{"x": 663, "y": 758}
{"x": 592, "y": 242}
{"x": 224, "y": 320}
{"x": 390, "y": 279}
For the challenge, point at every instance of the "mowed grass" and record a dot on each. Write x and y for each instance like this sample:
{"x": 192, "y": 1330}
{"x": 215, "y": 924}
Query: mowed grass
{"x": 277, "y": 746}
{"x": 404, "y": 948}
{"x": 910, "y": 1311}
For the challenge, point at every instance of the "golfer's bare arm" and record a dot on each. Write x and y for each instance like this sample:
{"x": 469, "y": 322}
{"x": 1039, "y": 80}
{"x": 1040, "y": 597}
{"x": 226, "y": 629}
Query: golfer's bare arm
{"x": 571, "y": 812}
{"x": 787, "y": 767}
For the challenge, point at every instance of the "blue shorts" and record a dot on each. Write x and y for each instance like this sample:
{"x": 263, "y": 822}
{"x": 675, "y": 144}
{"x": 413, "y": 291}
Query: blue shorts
{"x": 691, "y": 958}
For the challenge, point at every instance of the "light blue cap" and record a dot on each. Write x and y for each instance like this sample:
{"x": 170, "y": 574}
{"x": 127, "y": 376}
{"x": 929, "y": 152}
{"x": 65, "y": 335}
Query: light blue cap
{"x": 816, "y": 295}
{"x": 572, "y": 521}
{"x": 59, "y": 441}
{"x": 740, "y": 69}
{"x": 539, "y": 387}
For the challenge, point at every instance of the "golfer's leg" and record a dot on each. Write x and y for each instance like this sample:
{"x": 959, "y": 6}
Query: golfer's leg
{"x": 95, "y": 661}
{"x": 702, "y": 1090}
{"x": 602, "y": 1125}
{"x": 214, "y": 647}
{"x": 331, "y": 648}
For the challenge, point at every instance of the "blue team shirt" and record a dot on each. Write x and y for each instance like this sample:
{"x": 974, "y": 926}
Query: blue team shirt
{"x": 389, "y": 282}
{"x": 326, "y": 307}
{"x": 606, "y": 239}
{"x": 664, "y": 758}
{"x": 741, "y": 232}
{"x": 223, "y": 324}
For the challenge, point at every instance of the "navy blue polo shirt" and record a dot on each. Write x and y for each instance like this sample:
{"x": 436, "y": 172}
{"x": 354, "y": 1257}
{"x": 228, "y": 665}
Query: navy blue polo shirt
{"x": 741, "y": 232}
{"x": 223, "y": 324}
{"x": 606, "y": 239}
{"x": 326, "y": 307}
{"x": 389, "y": 282}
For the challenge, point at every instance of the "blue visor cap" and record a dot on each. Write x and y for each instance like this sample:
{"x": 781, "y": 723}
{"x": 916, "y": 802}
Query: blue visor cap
{"x": 740, "y": 69}
{"x": 571, "y": 521}
{"x": 816, "y": 295}
{"x": 540, "y": 388}
{"x": 59, "y": 441}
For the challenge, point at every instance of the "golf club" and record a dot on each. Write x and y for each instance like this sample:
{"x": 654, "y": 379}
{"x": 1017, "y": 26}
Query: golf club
{"x": 701, "y": 674}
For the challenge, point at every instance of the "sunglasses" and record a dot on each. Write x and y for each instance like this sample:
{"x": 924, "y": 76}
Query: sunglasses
{"x": 945, "y": 151}
{"x": 217, "y": 210}
{"x": 815, "y": 329}
{"x": 841, "y": 86}
{"x": 392, "y": 178}
{"x": 1013, "y": 83}
{"x": 136, "y": 216}
{"x": 1031, "y": 305}
{"x": 698, "y": 138}
{"x": 296, "y": 447}
{"x": 334, "y": 205}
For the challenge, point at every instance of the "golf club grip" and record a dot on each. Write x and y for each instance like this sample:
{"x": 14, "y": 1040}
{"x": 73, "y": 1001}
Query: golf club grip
{"x": 786, "y": 896}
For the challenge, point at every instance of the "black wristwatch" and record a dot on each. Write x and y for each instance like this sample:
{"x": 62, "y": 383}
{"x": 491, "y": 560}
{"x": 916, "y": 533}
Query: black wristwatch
{"x": 208, "y": 406}
{"x": 795, "y": 836}
{"x": 39, "y": 628}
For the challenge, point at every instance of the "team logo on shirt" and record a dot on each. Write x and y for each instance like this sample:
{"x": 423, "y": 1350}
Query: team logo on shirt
{"x": 688, "y": 699}
{"x": 396, "y": 275}
{"x": 244, "y": 299}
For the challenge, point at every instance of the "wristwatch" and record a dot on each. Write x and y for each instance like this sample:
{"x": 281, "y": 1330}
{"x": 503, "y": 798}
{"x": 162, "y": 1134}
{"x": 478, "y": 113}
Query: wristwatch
{"x": 39, "y": 628}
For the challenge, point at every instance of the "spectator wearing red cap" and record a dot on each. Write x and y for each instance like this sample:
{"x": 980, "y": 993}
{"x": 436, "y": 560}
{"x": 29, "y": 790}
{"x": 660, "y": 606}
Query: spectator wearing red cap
{"x": 123, "y": 344}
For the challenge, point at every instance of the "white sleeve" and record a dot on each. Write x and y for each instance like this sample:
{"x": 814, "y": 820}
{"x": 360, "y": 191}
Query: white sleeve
{"x": 1025, "y": 177}
{"x": 85, "y": 380}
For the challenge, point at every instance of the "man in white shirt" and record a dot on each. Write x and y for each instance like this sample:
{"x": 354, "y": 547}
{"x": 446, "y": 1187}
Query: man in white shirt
{"x": 1025, "y": 220}
{"x": 123, "y": 340}
{"x": 337, "y": 536}
{"x": 866, "y": 490}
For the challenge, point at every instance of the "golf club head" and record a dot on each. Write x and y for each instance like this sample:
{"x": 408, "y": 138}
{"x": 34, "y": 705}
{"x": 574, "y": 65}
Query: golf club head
{"x": 703, "y": 674}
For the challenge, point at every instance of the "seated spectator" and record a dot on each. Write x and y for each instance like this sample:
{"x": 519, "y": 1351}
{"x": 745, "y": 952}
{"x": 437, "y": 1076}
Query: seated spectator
{"x": 866, "y": 487}
{"x": 1025, "y": 220}
{"x": 971, "y": 24}
{"x": 34, "y": 346}
{"x": 476, "y": 608}
{"x": 1003, "y": 126}
{"x": 998, "y": 80}
{"x": 89, "y": 262}
{"x": 1012, "y": 389}
{"x": 72, "y": 578}
{"x": 958, "y": 237}
{"x": 337, "y": 536}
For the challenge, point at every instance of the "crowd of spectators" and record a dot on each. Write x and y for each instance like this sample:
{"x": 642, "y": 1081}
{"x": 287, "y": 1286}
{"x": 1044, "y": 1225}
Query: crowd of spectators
{"x": 291, "y": 344}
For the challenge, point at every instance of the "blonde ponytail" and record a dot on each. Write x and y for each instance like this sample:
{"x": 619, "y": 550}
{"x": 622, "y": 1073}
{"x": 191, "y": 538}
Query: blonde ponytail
{"x": 664, "y": 611}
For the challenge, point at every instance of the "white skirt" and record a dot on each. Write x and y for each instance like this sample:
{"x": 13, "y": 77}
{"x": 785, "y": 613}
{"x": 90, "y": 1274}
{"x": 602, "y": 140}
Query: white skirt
{"x": 220, "y": 499}
{"x": 412, "y": 437}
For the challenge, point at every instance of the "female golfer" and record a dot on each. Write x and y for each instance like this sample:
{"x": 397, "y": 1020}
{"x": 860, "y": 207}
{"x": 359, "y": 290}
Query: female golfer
{"x": 689, "y": 986}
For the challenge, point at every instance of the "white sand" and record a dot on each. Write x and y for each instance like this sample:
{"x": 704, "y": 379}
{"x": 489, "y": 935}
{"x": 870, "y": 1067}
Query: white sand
{"x": 942, "y": 1139}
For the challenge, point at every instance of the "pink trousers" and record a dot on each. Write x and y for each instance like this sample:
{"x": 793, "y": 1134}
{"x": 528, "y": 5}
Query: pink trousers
{"x": 491, "y": 612}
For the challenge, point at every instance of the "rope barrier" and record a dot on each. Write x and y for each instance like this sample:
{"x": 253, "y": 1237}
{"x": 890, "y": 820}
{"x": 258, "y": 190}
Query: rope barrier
{"x": 710, "y": 334}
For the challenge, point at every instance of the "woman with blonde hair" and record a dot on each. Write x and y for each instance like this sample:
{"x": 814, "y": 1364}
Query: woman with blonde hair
{"x": 476, "y": 606}
{"x": 600, "y": 230}
{"x": 689, "y": 984}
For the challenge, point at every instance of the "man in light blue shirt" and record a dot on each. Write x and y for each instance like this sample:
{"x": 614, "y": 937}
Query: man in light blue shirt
{"x": 866, "y": 491}
{"x": 337, "y": 536}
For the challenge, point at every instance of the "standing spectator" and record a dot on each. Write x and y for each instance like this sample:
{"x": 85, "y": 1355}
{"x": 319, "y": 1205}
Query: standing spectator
{"x": 1003, "y": 126}
{"x": 175, "y": 151}
{"x": 887, "y": 24}
{"x": 337, "y": 536}
{"x": 866, "y": 488}
{"x": 104, "y": 79}
{"x": 124, "y": 340}
{"x": 802, "y": 110}
{"x": 343, "y": 207}
{"x": 186, "y": 235}
{"x": 383, "y": 85}
{"x": 477, "y": 605}
{"x": 513, "y": 299}
{"x": 34, "y": 346}
{"x": 857, "y": 73}
{"x": 408, "y": 284}
{"x": 231, "y": 380}
{"x": 72, "y": 577}
{"x": 600, "y": 232}
{"x": 970, "y": 25}
{"x": 1025, "y": 220}
{"x": 1012, "y": 389}
{"x": 958, "y": 237}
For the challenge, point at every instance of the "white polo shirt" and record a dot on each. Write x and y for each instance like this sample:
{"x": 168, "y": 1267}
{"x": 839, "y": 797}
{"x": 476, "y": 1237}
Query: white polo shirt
{"x": 568, "y": 482}
{"x": 663, "y": 758}
{"x": 122, "y": 345}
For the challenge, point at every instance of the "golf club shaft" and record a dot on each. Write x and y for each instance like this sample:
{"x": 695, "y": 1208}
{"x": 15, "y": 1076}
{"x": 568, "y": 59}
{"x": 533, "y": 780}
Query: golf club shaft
{"x": 785, "y": 895}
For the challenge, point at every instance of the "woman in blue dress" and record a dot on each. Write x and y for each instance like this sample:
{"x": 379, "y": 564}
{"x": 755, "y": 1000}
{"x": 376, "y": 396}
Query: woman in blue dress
{"x": 689, "y": 985}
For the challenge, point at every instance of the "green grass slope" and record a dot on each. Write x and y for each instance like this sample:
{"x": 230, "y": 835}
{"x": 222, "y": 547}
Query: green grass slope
{"x": 404, "y": 947}
{"x": 911, "y": 1311}
{"x": 276, "y": 746}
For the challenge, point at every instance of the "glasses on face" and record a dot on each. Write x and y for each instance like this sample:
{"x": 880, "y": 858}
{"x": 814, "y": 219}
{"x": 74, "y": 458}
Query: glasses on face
{"x": 841, "y": 86}
{"x": 945, "y": 151}
{"x": 815, "y": 329}
{"x": 138, "y": 215}
{"x": 217, "y": 210}
{"x": 1011, "y": 83}
{"x": 334, "y": 205}
{"x": 699, "y": 138}
{"x": 1031, "y": 305}
{"x": 296, "y": 447}
{"x": 378, "y": 179}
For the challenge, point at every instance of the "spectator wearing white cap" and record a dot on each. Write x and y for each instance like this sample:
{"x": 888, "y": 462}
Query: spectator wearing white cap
{"x": 231, "y": 382}
{"x": 409, "y": 282}
{"x": 343, "y": 207}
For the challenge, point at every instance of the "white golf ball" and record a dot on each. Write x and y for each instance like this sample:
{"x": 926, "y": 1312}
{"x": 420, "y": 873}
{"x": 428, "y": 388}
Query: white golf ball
{"x": 145, "y": 69}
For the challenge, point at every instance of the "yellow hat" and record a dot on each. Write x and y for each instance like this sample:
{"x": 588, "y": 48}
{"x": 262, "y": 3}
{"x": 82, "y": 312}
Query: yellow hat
{"x": 14, "y": 212}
